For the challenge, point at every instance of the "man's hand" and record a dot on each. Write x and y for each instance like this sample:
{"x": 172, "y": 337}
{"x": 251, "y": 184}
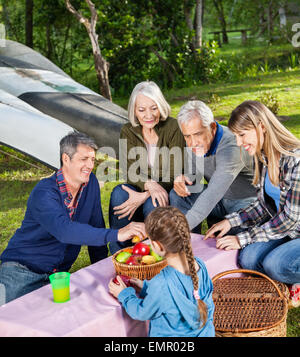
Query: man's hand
{"x": 180, "y": 185}
{"x": 222, "y": 227}
{"x": 132, "y": 229}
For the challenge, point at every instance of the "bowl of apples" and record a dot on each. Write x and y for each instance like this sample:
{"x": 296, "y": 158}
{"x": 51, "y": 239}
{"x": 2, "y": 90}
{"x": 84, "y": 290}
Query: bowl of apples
{"x": 138, "y": 261}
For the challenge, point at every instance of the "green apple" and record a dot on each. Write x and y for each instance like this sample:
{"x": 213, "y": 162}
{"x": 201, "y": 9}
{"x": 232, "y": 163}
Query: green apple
{"x": 156, "y": 256}
{"x": 122, "y": 257}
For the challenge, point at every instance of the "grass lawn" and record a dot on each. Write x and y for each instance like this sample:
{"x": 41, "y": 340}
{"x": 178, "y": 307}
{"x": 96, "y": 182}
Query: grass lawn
{"x": 17, "y": 178}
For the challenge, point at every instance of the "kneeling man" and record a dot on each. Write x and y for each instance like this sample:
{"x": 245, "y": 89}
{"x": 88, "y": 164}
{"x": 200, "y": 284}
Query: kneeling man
{"x": 63, "y": 212}
{"x": 212, "y": 154}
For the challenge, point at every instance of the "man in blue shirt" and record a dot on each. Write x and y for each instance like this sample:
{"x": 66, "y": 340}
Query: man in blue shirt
{"x": 63, "y": 212}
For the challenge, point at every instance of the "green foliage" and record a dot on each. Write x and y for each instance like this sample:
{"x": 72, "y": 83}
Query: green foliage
{"x": 213, "y": 100}
{"x": 151, "y": 40}
{"x": 294, "y": 59}
{"x": 270, "y": 100}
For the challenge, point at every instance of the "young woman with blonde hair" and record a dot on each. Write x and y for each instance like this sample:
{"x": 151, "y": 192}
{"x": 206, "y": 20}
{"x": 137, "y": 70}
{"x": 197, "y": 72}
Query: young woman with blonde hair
{"x": 178, "y": 301}
{"x": 271, "y": 224}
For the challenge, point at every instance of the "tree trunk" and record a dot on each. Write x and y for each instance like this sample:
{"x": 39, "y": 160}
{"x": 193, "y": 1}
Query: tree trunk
{"x": 220, "y": 10}
{"x": 187, "y": 14}
{"x": 270, "y": 21}
{"x": 282, "y": 16}
{"x": 271, "y": 18}
{"x": 262, "y": 21}
{"x": 199, "y": 23}
{"x": 48, "y": 41}
{"x": 62, "y": 56}
{"x": 101, "y": 65}
{"x": 187, "y": 8}
{"x": 169, "y": 68}
{"x": 28, "y": 23}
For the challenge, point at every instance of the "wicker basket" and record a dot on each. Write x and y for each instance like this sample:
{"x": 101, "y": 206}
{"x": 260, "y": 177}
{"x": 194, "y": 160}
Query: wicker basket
{"x": 138, "y": 271}
{"x": 249, "y": 306}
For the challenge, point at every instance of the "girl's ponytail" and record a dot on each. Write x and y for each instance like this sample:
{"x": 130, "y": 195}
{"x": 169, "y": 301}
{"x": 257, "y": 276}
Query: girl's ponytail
{"x": 185, "y": 235}
{"x": 169, "y": 226}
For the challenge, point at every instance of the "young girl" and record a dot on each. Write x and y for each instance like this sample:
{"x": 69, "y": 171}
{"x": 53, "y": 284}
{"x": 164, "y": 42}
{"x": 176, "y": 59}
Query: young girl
{"x": 271, "y": 224}
{"x": 177, "y": 301}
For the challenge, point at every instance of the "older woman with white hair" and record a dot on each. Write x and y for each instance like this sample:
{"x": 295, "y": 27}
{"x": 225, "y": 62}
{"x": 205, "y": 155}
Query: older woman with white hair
{"x": 150, "y": 137}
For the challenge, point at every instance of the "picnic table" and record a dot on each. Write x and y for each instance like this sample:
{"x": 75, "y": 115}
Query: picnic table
{"x": 242, "y": 31}
{"x": 92, "y": 311}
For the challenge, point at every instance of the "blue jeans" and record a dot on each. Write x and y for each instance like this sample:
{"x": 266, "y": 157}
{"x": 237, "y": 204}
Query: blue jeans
{"x": 279, "y": 259}
{"x": 119, "y": 196}
{"x": 222, "y": 208}
{"x": 17, "y": 280}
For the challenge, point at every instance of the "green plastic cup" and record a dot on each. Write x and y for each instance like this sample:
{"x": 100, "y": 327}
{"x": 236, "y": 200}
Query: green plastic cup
{"x": 60, "y": 283}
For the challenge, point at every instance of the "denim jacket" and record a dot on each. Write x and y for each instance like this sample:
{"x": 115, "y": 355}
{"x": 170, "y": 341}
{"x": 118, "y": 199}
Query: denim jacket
{"x": 261, "y": 218}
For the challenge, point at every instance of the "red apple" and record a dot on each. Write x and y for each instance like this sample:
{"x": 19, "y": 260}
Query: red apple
{"x": 126, "y": 280}
{"x": 141, "y": 249}
{"x": 134, "y": 259}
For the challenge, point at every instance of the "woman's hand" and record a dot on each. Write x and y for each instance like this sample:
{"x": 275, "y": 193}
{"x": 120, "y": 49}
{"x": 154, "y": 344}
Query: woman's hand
{"x": 135, "y": 200}
{"x": 157, "y": 193}
{"x": 223, "y": 227}
{"x": 228, "y": 243}
{"x": 114, "y": 288}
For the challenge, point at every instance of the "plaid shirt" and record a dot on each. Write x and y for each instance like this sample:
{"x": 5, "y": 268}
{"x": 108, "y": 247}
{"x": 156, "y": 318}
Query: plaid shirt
{"x": 261, "y": 223}
{"x": 60, "y": 180}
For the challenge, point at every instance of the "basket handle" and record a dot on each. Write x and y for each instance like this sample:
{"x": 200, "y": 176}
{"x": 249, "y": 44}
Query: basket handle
{"x": 227, "y": 272}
